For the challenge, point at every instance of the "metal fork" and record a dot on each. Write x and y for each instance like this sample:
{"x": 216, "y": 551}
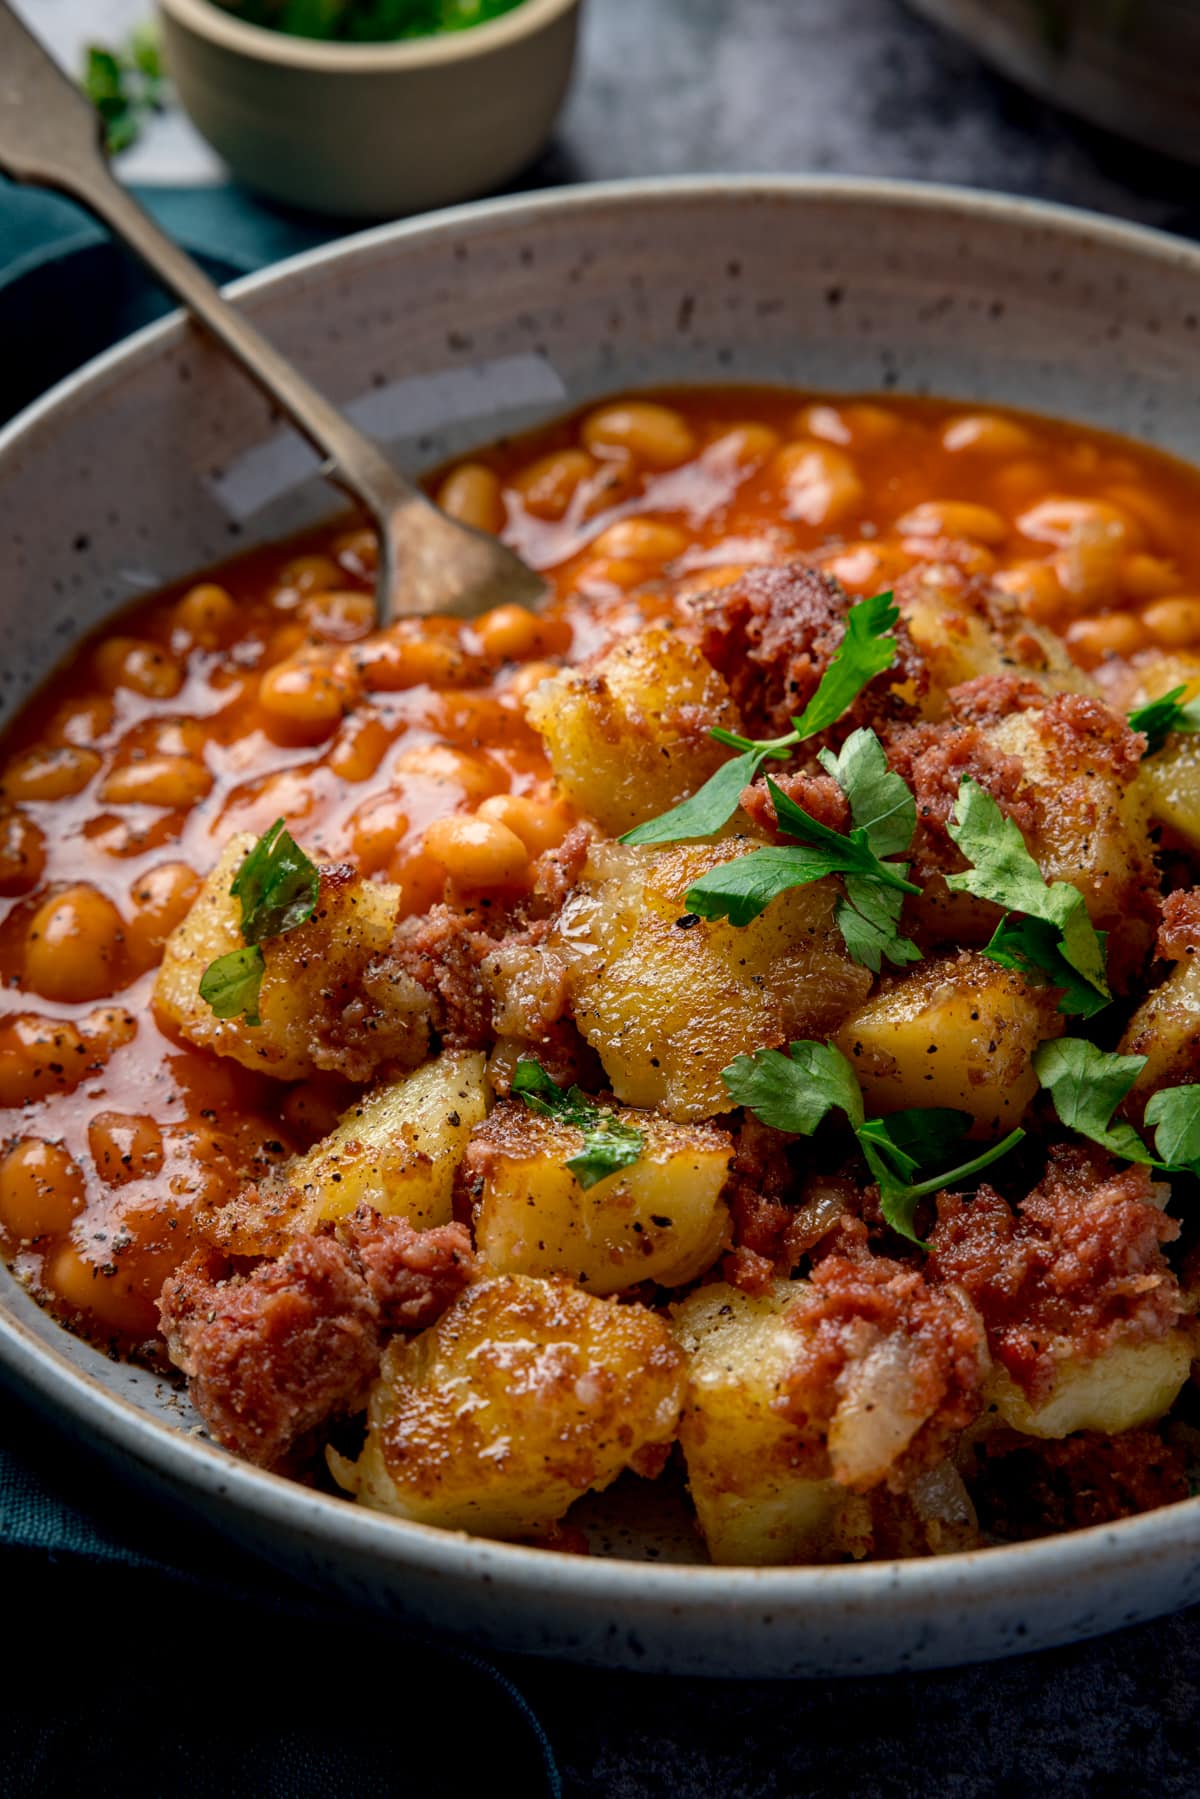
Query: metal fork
{"x": 50, "y": 136}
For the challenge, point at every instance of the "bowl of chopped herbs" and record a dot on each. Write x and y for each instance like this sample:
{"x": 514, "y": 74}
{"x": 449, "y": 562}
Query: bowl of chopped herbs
{"x": 371, "y": 109}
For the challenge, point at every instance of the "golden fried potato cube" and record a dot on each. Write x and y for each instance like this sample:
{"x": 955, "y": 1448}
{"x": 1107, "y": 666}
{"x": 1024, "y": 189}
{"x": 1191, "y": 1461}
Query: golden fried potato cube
{"x": 1166, "y": 1030}
{"x": 396, "y": 1150}
{"x": 964, "y": 630}
{"x": 667, "y": 999}
{"x": 753, "y": 1504}
{"x": 628, "y": 737}
{"x": 525, "y": 1395}
{"x": 328, "y": 1000}
{"x": 1128, "y": 1384}
{"x": 661, "y": 1218}
{"x": 952, "y": 1031}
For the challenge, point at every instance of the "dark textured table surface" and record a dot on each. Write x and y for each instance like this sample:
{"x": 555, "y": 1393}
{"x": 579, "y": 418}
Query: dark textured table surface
{"x": 863, "y": 87}
{"x": 860, "y": 87}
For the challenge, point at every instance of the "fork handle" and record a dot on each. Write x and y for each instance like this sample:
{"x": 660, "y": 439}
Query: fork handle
{"x": 50, "y": 136}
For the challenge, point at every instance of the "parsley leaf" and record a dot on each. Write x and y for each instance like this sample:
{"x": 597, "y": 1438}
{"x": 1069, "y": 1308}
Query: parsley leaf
{"x": 795, "y": 1092}
{"x": 1175, "y": 1114}
{"x": 866, "y": 649}
{"x": 125, "y": 86}
{"x": 231, "y": 984}
{"x": 277, "y": 885}
{"x": 609, "y": 1143}
{"x": 882, "y": 805}
{"x": 1056, "y": 944}
{"x": 1087, "y": 1085}
{"x": 1157, "y": 719}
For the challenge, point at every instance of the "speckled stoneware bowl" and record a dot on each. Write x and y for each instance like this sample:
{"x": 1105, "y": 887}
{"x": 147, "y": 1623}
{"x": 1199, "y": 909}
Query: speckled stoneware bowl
{"x": 158, "y": 459}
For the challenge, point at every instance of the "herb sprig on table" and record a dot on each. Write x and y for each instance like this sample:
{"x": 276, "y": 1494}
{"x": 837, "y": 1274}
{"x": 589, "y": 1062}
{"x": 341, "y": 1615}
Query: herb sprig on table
{"x": 126, "y": 85}
{"x": 797, "y": 1091}
{"x": 368, "y": 21}
{"x": 278, "y": 886}
{"x": 609, "y": 1143}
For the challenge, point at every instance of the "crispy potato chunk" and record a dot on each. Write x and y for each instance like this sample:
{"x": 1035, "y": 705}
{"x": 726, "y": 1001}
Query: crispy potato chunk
{"x": 1166, "y": 1030}
{"x": 1170, "y": 777}
{"x": 396, "y": 1149}
{"x": 964, "y": 630}
{"x": 660, "y": 1219}
{"x": 754, "y": 1507}
{"x": 667, "y": 1000}
{"x": 329, "y": 998}
{"x": 955, "y": 1031}
{"x": 525, "y": 1395}
{"x": 1127, "y": 1385}
{"x": 628, "y": 736}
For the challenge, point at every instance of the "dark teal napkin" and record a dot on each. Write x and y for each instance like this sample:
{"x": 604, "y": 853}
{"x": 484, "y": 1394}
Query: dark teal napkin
{"x": 146, "y": 1655}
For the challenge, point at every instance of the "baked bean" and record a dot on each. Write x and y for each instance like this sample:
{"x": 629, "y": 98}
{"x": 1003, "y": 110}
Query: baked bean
{"x": 1146, "y": 577}
{"x": 125, "y": 1147}
{"x": 745, "y": 444}
{"x": 358, "y": 553}
{"x": 601, "y": 572}
{"x": 1088, "y": 566}
{"x": 1015, "y": 484}
{"x": 338, "y": 616}
{"x": 540, "y": 824}
{"x": 73, "y": 945}
{"x": 359, "y": 747}
{"x": 547, "y": 487}
{"x": 1035, "y": 587}
{"x": 39, "y": 1056}
{"x": 986, "y": 434}
{"x": 958, "y": 552}
{"x": 375, "y": 830}
{"x": 532, "y": 675}
{"x": 1110, "y": 634}
{"x": 22, "y": 852}
{"x": 655, "y": 435}
{"x": 953, "y": 518}
{"x": 1175, "y": 622}
{"x": 515, "y": 634}
{"x": 642, "y": 539}
{"x": 51, "y": 772}
{"x": 173, "y": 781}
{"x": 477, "y": 852}
{"x": 820, "y": 484}
{"x": 307, "y": 698}
{"x": 158, "y": 901}
{"x": 459, "y": 773}
{"x": 306, "y": 574}
{"x": 471, "y": 493}
{"x": 420, "y": 879}
{"x": 286, "y": 642}
{"x": 84, "y": 721}
{"x": 865, "y": 568}
{"x": 1150, "y": 512}
{"x": 144, "y": 668}
{"x": 859, "y": 424}
{"x": 410, "y": 655}
{"x": 106, "y": 1030}
{"x": 41, "y": 1190}
{"x": 208, "y": 614}
{"x": 1058, "y": 521}
{"x": 101, "y": 1288}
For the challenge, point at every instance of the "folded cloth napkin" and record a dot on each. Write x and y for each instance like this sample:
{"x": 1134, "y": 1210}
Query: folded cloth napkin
{"x": 145, "y": 1655}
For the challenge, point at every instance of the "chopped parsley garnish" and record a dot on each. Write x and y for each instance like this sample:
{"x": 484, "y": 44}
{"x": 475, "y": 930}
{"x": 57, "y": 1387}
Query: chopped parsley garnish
{"x": 1158, "y": 718}
{"x": 1088, "y": 1084}
{"x": 1055, "y": 942}
{"x": 883, "y": 815}
{"x": 609, "y": 1144}
{"x": 796, "y": 1092}
{"x": 368, "y": 21}
{"x": 125, "y": 86}
{"x": 866, "y": 650}
{"x": 278, "y": 886}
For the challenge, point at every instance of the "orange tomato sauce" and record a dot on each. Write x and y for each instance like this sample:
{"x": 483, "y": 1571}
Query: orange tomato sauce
{"x": 265, "y": 691}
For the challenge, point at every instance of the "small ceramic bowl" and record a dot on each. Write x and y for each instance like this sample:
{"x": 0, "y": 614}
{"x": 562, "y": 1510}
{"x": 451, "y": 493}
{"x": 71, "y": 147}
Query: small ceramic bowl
{"x": 371, "y": 131}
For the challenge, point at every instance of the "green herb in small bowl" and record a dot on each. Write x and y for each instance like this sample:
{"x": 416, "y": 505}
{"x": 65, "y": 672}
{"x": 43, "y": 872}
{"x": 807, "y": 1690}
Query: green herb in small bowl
{"x": 368, "y": 21}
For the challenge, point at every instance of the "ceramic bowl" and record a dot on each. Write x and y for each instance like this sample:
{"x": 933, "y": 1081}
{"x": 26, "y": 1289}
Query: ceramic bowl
{"x": 159, "y": 459}
{"x": 370, "y": 131}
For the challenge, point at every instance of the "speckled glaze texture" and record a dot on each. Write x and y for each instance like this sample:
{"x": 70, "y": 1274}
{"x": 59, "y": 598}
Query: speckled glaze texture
{"x": 158, "y": 459}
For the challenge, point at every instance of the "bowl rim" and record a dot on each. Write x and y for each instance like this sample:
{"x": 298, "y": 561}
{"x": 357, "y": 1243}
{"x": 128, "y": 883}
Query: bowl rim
{"x": 258, "y": 43}
{"x": 1014, "y": 1573}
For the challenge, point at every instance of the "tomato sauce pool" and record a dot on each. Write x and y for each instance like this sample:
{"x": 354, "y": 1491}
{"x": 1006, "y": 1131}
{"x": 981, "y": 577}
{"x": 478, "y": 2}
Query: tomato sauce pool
{"x": 266, "y": 692}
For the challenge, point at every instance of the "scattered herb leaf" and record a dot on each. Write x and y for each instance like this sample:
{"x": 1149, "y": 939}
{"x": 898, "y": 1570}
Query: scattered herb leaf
{"x": 1158, "y": 718}
{"x": 125, "y": 85}
{"x": 1175, "y": 1114}
{"x": 232, "y": 983}
{"x": 1087, "y": 1085}
{"x": 368, "y": 21}
{"x": 795, "y": 1092}
{"x": 609, "y": 1143}
{"x": 866, "y": 649}
{"x": 1056, "y": 944}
